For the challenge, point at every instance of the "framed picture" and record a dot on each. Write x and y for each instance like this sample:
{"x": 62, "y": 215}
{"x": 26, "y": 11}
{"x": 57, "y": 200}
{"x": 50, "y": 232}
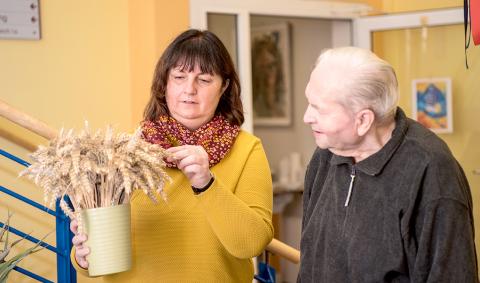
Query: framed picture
{"x": 432, "y": 103}
{"x": 271, "y": 75}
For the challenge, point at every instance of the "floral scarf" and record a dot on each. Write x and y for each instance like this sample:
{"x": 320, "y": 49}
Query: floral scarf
{"x": 216, "y": 137}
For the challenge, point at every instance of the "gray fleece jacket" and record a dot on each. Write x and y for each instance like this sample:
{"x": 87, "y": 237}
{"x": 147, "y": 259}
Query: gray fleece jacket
{"x": 405, "y": 216}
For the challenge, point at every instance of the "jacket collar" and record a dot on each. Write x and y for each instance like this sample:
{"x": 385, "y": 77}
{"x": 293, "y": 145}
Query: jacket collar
{"x": 374, "y": 164}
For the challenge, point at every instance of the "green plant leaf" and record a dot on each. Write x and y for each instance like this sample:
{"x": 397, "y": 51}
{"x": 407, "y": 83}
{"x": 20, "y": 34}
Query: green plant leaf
{"x": 6, "y": 228}
{"x": 6, "y": 266}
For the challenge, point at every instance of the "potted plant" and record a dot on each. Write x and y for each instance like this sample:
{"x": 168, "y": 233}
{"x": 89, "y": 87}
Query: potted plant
{"x": 99, "y": 172}
{"x": 7, "y": 265}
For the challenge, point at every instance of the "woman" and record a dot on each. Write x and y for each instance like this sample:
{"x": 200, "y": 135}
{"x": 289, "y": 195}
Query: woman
{"x": 218, "y": 210}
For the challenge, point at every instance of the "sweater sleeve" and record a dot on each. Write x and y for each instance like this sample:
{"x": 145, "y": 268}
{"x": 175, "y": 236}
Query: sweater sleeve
{"x": 443, "y": 228}
{"x": 446, "y": 249}
{"x": 242, "y": 219}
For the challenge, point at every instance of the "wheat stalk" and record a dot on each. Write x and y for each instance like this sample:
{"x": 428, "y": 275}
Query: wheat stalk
{"x": 97, "y": 170}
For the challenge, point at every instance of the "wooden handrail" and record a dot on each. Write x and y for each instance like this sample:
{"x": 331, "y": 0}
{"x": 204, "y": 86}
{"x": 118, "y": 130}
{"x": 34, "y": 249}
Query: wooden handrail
{"x": 40, "y": 128}
{"x": 26, "y": 121}
{"x": 279, "y": 248}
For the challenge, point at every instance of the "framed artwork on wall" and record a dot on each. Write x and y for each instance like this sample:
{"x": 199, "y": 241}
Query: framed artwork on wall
{"x": 432, "y": 103}
{"x": 271, "y": 89}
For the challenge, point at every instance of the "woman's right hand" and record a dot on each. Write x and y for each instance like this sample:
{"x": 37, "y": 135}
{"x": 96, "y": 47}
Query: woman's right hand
{"x": 78, "y": 241}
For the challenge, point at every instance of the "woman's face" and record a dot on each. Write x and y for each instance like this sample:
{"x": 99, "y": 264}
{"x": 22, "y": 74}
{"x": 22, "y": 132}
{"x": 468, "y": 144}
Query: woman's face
{"x": 192, "y": 97}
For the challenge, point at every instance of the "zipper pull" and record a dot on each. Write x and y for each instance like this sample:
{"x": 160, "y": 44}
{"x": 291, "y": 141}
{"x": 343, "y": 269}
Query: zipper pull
{"x": 352, "y": 176}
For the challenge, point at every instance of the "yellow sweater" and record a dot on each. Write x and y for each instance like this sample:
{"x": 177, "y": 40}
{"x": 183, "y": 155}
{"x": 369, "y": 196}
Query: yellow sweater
{"x": 210, "y": 237}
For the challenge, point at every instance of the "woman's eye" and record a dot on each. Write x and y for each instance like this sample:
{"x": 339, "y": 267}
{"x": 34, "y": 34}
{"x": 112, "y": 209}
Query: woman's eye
{"x": 205, "y": 80}
{"x": 178, "y": 77}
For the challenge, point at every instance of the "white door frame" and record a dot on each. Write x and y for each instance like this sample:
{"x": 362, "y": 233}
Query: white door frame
{"x": 199, "y": 10}
{"x": 364, "y": 27}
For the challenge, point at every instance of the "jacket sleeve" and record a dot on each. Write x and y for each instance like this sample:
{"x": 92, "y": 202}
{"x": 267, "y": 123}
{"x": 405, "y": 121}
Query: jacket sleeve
{"x": 310, "y": 176}
{"x": 446, "y": 248}
{"x": 242, "y": 219}
{"x": 444, "y": 228}
{"x": 314, "y": 175}
{"x": 307, "y": 187}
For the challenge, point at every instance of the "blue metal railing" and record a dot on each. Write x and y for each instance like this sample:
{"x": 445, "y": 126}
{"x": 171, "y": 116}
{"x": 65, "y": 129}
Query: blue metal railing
{"x": 65, "y": 271}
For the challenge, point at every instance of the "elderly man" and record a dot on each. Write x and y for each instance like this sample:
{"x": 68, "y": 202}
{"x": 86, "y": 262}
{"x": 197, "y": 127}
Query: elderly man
{"x": 384, "y": 200}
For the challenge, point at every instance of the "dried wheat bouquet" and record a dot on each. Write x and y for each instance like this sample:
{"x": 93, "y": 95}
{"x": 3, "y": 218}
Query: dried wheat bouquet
{"x": 98, "y": 169}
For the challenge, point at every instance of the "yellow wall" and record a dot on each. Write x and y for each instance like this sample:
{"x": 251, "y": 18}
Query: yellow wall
{"x": 153, "y": 24}
{"x": 396, "y": 6}
{"x": 94, "y": 61}
{"x": 399, "y": 6}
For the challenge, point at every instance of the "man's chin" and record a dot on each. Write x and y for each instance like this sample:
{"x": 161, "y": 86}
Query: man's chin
{"x": 322, "y": 146}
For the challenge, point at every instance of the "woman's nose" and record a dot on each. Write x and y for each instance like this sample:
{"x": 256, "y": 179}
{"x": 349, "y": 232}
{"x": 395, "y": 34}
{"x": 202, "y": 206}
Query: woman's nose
{"x": 190, "y": 87}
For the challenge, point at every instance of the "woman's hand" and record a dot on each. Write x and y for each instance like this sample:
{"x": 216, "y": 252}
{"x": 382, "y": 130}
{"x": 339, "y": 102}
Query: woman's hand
{"x": 81, "y": 251}
{"x": 193, "y": 161}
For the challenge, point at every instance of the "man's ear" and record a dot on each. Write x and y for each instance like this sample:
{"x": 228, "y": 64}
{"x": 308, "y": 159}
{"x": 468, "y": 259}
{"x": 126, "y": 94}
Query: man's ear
{"x": 224, "y": 87}
{"x": 364, "y": 120}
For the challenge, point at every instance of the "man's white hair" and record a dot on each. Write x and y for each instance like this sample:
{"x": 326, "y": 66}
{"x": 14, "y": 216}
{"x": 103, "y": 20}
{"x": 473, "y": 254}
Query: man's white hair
{"x": 362, "y": 81}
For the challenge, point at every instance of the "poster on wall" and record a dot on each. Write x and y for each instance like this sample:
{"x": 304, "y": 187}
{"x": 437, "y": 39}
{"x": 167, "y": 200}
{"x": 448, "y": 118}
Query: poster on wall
{"x": 432, "y": 103}
{"x": 271, "y": 90}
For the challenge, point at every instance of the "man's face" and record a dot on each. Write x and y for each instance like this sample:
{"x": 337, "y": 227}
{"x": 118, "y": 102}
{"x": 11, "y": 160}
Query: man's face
{"x": 333, "y": 125}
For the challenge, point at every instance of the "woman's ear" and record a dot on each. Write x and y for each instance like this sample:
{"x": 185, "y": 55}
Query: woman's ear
{"x": 225, "y": 85}
{"x": 365, "y": 120}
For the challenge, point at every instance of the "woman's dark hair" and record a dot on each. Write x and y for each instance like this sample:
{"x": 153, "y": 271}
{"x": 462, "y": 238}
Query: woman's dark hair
{"x": 205, "y": 50}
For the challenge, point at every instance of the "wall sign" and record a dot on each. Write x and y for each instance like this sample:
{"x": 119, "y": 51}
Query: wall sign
{"x": 19, "y": 19}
